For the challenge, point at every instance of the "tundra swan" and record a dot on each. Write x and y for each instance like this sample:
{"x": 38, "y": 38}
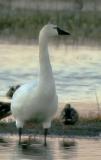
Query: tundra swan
{"x": 38, "y": 105}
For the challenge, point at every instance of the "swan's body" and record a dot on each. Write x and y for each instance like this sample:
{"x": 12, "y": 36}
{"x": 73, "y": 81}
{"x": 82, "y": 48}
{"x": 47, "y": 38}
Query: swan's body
{"x": 38, "y": 105}
{"x": 34, "y": 105}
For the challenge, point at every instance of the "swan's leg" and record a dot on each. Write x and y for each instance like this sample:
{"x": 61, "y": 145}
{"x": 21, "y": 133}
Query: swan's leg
{"x": 20, "y": 133}
{"x": 45, "y": 136}
{"x": 46, "y": 125}
{"x": 19, "y": 125}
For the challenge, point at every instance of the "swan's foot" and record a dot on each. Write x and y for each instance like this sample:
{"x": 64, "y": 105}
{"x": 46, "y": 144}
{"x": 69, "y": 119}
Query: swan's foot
{"x": 26, "y": 143}
{"x": 20, "y": 133}
{"x": 45, "y": 136}
{"x": 45, "y": 144}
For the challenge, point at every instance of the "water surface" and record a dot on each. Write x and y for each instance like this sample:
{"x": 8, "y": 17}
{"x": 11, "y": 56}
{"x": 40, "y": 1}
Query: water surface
{"x": 80, "y": 149}
{"x": 77, "y": 70}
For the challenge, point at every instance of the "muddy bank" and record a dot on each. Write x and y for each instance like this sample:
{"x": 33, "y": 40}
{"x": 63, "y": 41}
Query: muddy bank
{"x": 82, "y": 128}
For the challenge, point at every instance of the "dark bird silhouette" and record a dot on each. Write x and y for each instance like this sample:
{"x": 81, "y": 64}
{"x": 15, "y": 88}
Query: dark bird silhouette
{"x": 11, "y": 91}
{"x": 69, "y": 115}
{"x": 5, "y": 106}
{"x": 4, "y": 109}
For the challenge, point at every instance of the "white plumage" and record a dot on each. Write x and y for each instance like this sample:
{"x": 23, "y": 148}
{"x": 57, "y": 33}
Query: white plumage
{"x": 40, "y": 104}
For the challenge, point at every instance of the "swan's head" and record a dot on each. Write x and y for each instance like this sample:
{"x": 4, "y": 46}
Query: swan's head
{"x": 51, "y": 30}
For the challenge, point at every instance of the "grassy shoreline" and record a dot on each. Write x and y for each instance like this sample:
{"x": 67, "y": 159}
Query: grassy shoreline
{"x": 85, "y": 127}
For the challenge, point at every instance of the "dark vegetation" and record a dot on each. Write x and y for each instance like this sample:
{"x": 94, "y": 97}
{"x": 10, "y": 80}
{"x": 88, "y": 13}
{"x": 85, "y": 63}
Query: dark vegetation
{"x": 22, "y": 23}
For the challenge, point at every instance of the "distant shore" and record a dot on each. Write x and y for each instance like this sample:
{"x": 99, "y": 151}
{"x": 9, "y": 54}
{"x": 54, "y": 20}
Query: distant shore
{"x": 21, "y": 24}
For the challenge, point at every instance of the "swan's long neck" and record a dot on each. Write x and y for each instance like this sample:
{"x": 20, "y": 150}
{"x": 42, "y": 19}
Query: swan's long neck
{"x": 44, "y": 60}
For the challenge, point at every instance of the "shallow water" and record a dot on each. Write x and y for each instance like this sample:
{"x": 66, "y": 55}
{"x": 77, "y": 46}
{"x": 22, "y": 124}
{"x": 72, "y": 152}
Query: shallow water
{"x": 78, "y": 149}
{"x": 77, "y": 70}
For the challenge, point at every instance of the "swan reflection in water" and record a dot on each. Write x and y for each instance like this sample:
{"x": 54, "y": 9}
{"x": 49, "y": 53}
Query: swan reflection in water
{"x": 54, "y": 151}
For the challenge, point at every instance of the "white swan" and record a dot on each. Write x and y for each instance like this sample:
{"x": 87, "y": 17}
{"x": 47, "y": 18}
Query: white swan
{"x": 41, "y": 104}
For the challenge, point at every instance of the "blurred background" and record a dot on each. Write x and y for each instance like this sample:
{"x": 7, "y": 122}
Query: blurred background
{"x": 23, "y": 19}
